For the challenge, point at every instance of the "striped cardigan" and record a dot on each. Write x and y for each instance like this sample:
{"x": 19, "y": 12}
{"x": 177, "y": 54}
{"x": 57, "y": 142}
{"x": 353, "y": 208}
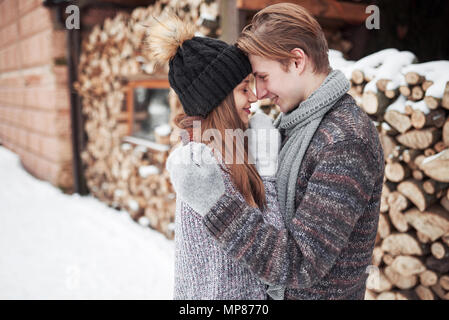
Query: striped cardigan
{"x": 327, "y": 246}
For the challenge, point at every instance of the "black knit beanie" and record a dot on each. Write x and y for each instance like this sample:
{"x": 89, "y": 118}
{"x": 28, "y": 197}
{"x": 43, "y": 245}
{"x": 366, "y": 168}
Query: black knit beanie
{"x": 204, "y": 72}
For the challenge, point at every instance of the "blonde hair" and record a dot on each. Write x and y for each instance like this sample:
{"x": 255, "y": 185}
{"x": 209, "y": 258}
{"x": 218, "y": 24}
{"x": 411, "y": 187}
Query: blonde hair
{"x": 278, "y": 29}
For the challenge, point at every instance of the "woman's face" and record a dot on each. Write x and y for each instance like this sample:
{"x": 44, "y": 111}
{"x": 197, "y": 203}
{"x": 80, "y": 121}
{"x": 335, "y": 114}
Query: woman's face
{"x": 244, "y": 96}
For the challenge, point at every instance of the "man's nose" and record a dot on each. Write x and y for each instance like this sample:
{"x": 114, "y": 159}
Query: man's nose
{"x": 260, "y": 90}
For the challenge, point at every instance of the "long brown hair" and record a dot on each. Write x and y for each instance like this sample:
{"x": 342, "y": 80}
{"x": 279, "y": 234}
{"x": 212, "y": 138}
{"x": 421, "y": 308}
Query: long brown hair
{"x": 222, "y": 118}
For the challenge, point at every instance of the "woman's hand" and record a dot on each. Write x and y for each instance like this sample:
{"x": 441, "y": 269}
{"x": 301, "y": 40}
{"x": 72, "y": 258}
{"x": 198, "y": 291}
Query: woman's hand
{"x": 264, "y": 144}
{"x": 196, "y": 176}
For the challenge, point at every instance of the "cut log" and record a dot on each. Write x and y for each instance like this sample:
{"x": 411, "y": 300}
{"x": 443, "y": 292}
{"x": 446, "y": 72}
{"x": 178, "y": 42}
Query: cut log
{"x": 432, "y": 102}
{"x": 439, "y": 250}
{"x": 417, "y": 93}
{"x": 437, "y": 166}
{"x": 419, "y": 139}
{"x": 409, "y": 156}
{"x": 377, "y": 256}
{"x": 383, "y": 204}
{"x": 370, "y": 295}
{"x": 439, "y": 291}
{"x": 433, "y": 222}
{"x": 429, "y": 152}
{"x": 413, "y": 78}
{"x": 414, "y": 191}
{"x": 378, "y": 282}
{"x": 396, "y": 172}
{"x": 389, "y": 144}
{"x": 388, "y": 259}
{"x": 434, "y": 118}
{"x": 386, "y": 190}
{"x": 426, "y": 84}
{"x": 386, "y": 129}
{"x": 445, "y": 133}
{"x": 439, "y": 146}
{"x": 400, "y": 281}
{"x": 405, "y": 91}
{"x": 419, "y": 159}
{"x": 374, "y": 102}
{"x": 408, "y": 265}
{"x": 444, "y": 202}
{"x": 432, "y": 187}
{"x": 399, "y": 121}
{"x": 398, "y": 220}
{"x": 384, "y": 228}
{"x": 445, "y": 100}
{"x": 445, "y": 239}
{"x": 424, "y": 293}
{"x": 357, "y": 77}
{"x": 428, "y": 278}
{"x": 406, "y": 295}
{"x": 417, "y": 174}
{"x": 388, "y": 295}
{"x": 403, "y": 244}
{"x": 397, "y": 201}
{"x": 391, "y": 94}
{"x": 444, "y": 282}
{"x": 381, "y": 84}
{"x": 422, "y": 237}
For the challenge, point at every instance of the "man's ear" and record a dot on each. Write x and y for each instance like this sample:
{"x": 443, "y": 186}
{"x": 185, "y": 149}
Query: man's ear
{"x": 300, "y": 60}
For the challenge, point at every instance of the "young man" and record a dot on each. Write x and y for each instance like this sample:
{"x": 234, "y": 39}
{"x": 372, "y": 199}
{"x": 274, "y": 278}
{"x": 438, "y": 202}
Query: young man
{"x": 330, "y": 169}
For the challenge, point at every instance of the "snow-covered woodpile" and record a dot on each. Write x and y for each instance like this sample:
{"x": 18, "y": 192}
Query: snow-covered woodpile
{"x": 409, "y": 103}
{"x": 126, "y": 175}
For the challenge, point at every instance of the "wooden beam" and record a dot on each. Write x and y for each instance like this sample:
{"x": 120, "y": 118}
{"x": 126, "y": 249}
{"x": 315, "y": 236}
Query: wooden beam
{"x": 229, "y": 21}
{"x": 352, "y": 13}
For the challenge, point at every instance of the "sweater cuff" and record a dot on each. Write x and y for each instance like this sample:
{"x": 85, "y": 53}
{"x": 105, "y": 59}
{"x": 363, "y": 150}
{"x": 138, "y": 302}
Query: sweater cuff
{"x": 223, "y": 213}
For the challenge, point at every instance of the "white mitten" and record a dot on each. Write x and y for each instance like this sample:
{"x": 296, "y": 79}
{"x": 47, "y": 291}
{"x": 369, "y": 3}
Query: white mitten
{"x": 264, "y": 144}
{"x": 196, "y": 176}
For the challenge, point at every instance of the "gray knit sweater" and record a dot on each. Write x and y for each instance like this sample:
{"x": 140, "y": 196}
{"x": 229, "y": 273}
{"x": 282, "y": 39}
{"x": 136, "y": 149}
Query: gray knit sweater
{"x": 326, "y": 247}
{"x": 202, "y": 269}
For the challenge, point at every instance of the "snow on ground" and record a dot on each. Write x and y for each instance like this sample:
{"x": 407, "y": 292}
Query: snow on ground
{"x": 58, "y": 246}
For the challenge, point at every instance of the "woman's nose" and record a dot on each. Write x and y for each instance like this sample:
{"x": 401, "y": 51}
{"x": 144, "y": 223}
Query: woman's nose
{"x": 252, "y": 97}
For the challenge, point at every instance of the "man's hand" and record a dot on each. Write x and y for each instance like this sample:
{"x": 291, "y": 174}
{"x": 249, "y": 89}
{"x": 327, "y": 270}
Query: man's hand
{"x": 264, "y": 144}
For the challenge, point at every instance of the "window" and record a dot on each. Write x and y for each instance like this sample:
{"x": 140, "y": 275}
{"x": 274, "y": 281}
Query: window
{"x": 148, "y": 111}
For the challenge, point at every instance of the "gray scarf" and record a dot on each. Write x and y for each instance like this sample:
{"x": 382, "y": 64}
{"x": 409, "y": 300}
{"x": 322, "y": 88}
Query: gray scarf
{"x": 300, "y": 126}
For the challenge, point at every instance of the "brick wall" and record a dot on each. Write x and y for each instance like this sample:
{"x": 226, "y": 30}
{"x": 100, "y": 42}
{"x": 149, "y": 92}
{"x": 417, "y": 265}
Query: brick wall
{"x": 34, "y": 95}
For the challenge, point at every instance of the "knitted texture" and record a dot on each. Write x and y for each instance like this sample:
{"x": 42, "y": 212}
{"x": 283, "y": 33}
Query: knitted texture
{"x": 202, "y": 269}
{"x": 301, "y": 125}
{"x": 204, "y": 72}
{"x": 327, "y": 246}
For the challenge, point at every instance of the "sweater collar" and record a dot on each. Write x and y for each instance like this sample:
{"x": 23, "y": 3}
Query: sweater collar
{"x": 331, "y": 90}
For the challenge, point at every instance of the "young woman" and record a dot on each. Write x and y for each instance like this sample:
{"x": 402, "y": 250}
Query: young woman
{"x": 211, "y": 79}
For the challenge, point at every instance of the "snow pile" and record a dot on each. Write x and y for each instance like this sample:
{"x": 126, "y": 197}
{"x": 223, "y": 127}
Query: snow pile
{"x": 384, "y": 64}
{"x": 435, "y": 71}
{"x": 57, "y": 246}
{"x": 393, "y": 65}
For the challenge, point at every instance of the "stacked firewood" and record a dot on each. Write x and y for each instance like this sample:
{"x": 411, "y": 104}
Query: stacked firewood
{"x": 119, "y": 171}
{"x": 409, "y": 103}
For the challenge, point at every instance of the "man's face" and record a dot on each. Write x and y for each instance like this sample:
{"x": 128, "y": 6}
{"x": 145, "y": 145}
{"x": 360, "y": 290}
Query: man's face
{"x": 273, "y": 82}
